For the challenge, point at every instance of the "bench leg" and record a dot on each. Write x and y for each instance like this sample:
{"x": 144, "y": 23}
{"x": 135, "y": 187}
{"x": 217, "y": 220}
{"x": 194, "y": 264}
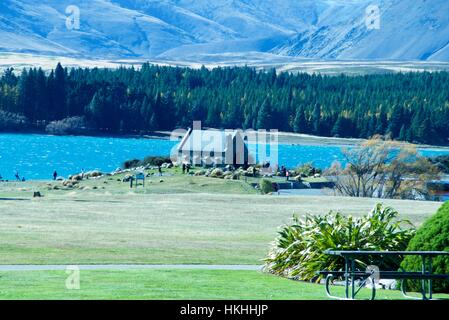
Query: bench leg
{"x": 430, "y": 280}
{"x": 373, "y": 292}
{"x": 346, "y": 279}
{"x": 423, "y": 282}
{"x": 423, "y": 291}
{"x": 329, "y": 281}
{"x": 352, "y": 279}
{"x": 427, "y": 268}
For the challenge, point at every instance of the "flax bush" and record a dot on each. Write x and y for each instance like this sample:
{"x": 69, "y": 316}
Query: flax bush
{"x": 299, "y": 249}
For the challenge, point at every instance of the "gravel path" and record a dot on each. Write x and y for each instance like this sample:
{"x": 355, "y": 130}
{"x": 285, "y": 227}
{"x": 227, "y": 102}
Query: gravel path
{"x": 128, "y": 267}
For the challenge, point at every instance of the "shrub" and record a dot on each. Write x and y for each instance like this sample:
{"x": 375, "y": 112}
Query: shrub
{"x": 200, "y": 173}
{"x": 73, "y": 125}
{"x": 12, "y": 121}
{"x": 155, "y": 161}
{"x": 432, "y": 236}
{"x": 151, "y": 161}
{"x": 129, "y": 164}
{"x": 299, "y": 249}
{"x": 266, "y": 186}
{"x": 307, "y": 170}
{"x": 442, "y": 163}
{"x": 217, "y": 173}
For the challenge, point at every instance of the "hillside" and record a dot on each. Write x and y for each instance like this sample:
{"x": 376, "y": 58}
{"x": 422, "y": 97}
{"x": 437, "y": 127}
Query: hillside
{"x": 202, "y": 30}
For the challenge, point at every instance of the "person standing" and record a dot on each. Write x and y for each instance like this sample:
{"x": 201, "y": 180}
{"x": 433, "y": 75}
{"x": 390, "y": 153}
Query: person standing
{"x": 55, "y": 175}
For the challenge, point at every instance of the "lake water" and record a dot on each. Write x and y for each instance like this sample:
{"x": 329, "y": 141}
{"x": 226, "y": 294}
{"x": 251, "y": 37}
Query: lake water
{"x": 37, "y": 156}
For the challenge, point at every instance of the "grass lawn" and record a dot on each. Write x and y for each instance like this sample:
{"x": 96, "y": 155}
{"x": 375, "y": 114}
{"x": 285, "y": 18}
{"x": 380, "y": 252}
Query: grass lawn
{"x": 166, "y": 284}
{"x": 182, "y": 220}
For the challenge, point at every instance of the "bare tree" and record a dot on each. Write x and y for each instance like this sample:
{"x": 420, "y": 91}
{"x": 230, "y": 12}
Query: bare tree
{"x": 383, "y": 169}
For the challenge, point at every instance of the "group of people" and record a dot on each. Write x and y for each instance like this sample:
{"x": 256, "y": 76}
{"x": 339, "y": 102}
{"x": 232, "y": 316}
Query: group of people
{"x": 22, "y": 179}
{"x": 16, "y": 175}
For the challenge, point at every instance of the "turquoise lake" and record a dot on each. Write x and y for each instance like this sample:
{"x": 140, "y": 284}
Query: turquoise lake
{"x": 36, "y": 156}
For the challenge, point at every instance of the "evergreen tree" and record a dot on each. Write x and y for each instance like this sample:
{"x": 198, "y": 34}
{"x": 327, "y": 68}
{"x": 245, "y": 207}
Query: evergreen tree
{"x": 381, "y": 125}
{"x": 29, "y": 96}
{"x": 426, "y": 132}
{"x": 58, "y": 91}
{"x": 264, "y": 120}
{"x": 96, "y": 109}
{"x": 316, "y": 120}
{"x": 411, "y": 106}
{"x": 396, "y": 122}
{"x": 300, "y": 122}
{"x": 153, "y": 125}
{"x": 403, "y": 133}
{"x": 339, "y": 130}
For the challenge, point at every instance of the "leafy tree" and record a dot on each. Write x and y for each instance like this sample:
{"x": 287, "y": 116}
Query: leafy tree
{"x": 432, "y": 236}
{"x": 378, "y": 169}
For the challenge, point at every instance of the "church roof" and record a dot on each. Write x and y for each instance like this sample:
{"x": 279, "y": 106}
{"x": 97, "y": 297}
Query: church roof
{"x": 207, "y": 140}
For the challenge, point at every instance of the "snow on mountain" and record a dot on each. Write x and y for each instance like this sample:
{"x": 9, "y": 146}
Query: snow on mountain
{"x": 416, "y": 30}
{"x": 198, "y": 30}
{"x": 106, "y": 29}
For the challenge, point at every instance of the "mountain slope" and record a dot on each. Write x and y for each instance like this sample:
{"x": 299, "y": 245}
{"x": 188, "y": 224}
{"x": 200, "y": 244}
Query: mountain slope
{"x": 419, "y": 31}
{"x": 201, "y": 29}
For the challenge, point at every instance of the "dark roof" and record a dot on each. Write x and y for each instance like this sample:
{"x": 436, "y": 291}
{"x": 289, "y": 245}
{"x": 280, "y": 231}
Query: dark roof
{"x": 207, "y": 140}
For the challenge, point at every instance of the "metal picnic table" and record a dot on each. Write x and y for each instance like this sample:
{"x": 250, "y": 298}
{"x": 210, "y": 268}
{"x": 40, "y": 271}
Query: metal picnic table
{"x": 350, "y": 273}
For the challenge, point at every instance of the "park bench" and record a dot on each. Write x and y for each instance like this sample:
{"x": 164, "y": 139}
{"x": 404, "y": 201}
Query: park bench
{"x": 372, "y": 274}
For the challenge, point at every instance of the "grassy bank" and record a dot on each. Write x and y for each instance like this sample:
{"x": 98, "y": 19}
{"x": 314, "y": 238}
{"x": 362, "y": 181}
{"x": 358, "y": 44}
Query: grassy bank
{"x": 166, "y": 284}
{"x": 182, "y": 220}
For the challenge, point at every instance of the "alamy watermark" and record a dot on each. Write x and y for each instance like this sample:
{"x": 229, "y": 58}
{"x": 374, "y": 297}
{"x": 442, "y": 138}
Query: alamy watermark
{"x": 372, "y": 17}
{"x": 73, "y": 280}
{"x": 72, "y": 21}
{"x": 374, "y": 277}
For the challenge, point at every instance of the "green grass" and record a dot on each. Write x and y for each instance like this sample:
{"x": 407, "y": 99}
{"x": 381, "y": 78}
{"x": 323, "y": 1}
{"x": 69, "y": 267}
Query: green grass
{"x": 165, "y": 284}
{"x": 173, "y": 184}
{"x": 184, "y": 220}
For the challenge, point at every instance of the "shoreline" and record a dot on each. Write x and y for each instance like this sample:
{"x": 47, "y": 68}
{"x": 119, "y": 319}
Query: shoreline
{"x": 285, "y": 139}
{"x": 288, "y": 138}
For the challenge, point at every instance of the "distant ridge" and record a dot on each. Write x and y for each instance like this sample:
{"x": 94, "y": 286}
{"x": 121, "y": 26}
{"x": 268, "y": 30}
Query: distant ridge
{"x": 204, "y": 30}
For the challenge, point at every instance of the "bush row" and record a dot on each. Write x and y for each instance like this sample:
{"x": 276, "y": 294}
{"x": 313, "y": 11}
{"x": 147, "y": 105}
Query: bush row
{"x": 148, "y": 161}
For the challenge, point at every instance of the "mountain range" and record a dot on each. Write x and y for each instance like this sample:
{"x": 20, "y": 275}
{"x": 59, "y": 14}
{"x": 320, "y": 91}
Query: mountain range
{"x": 203, "y": 30}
